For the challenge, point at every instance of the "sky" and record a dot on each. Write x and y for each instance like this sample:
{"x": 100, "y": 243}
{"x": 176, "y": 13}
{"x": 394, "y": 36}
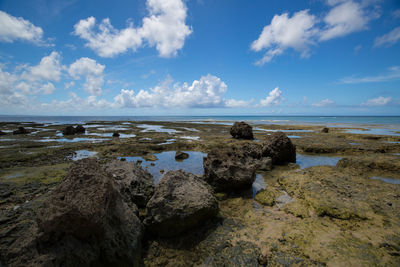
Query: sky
{"x": 200, "y": 57}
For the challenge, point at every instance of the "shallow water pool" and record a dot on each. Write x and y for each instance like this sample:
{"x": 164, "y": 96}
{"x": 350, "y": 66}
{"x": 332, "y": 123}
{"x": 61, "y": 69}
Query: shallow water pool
{"x": 82, "y": 154}
{"x": 166, "y": 161}
{"x": 387, "y": 180}
{"x": 306, "y": 161}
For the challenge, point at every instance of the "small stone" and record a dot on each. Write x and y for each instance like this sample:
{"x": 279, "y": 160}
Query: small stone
{"x": 325, "y": 130}
{"x": 179, "y": 155}
{"x": 115, "y": 134}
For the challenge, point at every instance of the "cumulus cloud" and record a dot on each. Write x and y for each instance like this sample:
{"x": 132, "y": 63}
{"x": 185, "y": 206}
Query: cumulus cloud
{"x": 206, "y": 92}
{"x": 388, "y": 39}
{"x": 286, "y": 32}
{"x": 303, "y": 30}
{"x": 6, "y": 82}
{"x": 164, "y": 28}
{"x": 323, "y": 103}
{"x": 13, "y": 28}
{"x": 377, "y": 102}
{"x": 274, "y": 98}
{"x": 48, "y": 69}
{"x": 92, "y": 72}
{"x": 344, "y": 19}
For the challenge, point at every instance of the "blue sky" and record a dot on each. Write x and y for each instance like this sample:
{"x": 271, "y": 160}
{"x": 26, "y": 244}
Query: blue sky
{"x": 204, "y": 57}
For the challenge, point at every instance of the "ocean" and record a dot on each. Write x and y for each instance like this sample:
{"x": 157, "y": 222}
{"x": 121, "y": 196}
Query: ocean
{"x": 387, "y": 121}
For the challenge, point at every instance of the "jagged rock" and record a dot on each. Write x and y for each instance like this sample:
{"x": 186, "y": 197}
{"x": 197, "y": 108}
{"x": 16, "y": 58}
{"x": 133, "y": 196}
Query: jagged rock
{"x": 2, "y": 133}
{"x": 325, "y": 130}
{"x": 69, "y": 130}
{"x": 79, "y": 129}
{"x": 115, "y": 134}
{"x": 135, "y": 184}
{"x": 279, "y": 148}
{"x": 179, "y": 155}
{"x": 229, "y": 169}
{"x": 242, "y": 130}
{"x": 180, "y": 202}
{"x": 21, "y": 130}
{"x": 85, "y": 222}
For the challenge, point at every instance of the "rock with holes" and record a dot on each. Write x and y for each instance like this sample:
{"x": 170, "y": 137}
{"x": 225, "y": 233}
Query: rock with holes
{"x": 242, "y": 130}
{"x": 279, "y": 148}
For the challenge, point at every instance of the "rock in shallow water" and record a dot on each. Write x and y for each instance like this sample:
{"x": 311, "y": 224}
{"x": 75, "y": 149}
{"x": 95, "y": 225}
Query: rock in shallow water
{"x": 179, "y": 155}
{"x": 279, "y": 148}
{"x": 21, "y": 130}
{"x": 242, "y": 130}
{"x": 180, "y": 202}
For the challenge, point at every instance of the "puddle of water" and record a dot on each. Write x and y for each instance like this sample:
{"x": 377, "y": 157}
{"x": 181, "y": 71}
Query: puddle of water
{"x": 8, "y": 140}
{"x": 283, "y": 199}
{"x": 258, "y": 184}
{"x": 306, "y": 161}
{"x": 285, "y": 131}
{"x": 396, "y": 154}
{"x": 168, "y": 142}
{"x": 374, "y": 131}
{"x": 294, "y": 136}
{"x": 392, "y": 142}
{"x": 146, "y": 139}
{"x": 73, "y": 140}
{"x": 386, "y": 180}
{"x": 121, "y": 135}
{"x": 196, "y": 138}
{"x": 82, "y": 154}
{"x": 155, "y": 128}
{"x": 93, "y": 125}
{"x": 166, "y": 161}
{"x": 16, "y": 175}
{"x": 126, "y": 123}
{"x": 355, "y": 144}
{"x": 112, "y": 128}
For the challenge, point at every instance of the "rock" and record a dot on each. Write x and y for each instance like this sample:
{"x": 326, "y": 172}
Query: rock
{"x": 21, "y": 130}
{"x": 179, "y": 155}
{"x": 229, "y": 170}
{"x": 242, "y": 130}
{"x": 135, "y": 184}
{"x": 79, "y": 129}
{"x": 115, "y": 134}
{"x": 180, "y": 202}
{"x": 85, "y": 222}
{"x": 2, "y": 133}
{"x": 325, "y": 130}
{"x": 267, "y": 196}
{"x": 279, "y": 148}
{"x": 265, "y": 164}
{"x": 69, "y": 130}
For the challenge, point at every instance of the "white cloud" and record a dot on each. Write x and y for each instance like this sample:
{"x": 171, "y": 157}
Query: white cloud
{"x": 91, "y": 71}
{"x": 69, "y": 84}
{"x": 203, "y": 93}
{"x": 13, "y": 28}
{"x": 48, "y": 69}
{"x": 274, "y": 98}
{"x": 388, "y": 39}
{"x": 6, "y": 82}
{"x": 164, "y": 28}
{"x": 285, "y": 32}
{"x": 303, "y": 30}
{"x": 376, "y": 102}
{"x": 47, "y": 88}
{"x": 323, "y": 103}
{"x": 233, "y": 103}
{"x": 344, "y": 19}
{"x": 391, "y": 75}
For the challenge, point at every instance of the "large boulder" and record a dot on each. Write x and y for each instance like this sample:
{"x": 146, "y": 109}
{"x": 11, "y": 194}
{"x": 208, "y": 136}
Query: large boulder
{"x": 279, "y": 148}
{"x": 80, "y": 129}
{"x": 2, "y": 133}
{"x": 21, "y": 130}
{"x": 181, "y": 201}
{"x": 242, "y": 130}
{"x": 135, "y": 184}
{"x": 69, "y": 130}
{"x": 85, "y": 221}
{"x": 231, "y": 169}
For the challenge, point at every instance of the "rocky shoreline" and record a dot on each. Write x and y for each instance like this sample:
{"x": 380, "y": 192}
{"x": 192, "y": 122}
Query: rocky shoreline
{"x": 54, "y": 208}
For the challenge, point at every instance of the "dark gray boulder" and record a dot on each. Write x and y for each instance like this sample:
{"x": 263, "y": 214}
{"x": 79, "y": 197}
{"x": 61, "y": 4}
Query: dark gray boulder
{"x": 85, "y": 222}
{"x": 230, "y": 169}
{"x": 69, "y": 130}
{"x": 21, "y": 130}
{"x": 242, "y": 130}
{"x": 181, "y": 201}
{"x": 325, "y": 130}
{"x": 2, "y": 133}
{"x": 135, "y": 184}
{"x": 279, "y": 148}
{"x": 116, "y": 134}
{"x": 80, "y": 129}
{"x": 179, "y": 155}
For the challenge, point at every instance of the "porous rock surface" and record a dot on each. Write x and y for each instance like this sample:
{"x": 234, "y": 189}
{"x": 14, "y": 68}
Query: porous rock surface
{"x": 279, "y": 148}
{"x": 242, "y": 130}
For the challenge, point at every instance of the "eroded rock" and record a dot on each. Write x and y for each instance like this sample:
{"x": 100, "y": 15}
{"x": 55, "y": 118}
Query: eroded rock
{"x": 180, "y": 202}
{"x": 279, "y": 148}
{"x": 179, "y": 155}
{"x": 21, "y": 130}
{"x": 242, "y": 130}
